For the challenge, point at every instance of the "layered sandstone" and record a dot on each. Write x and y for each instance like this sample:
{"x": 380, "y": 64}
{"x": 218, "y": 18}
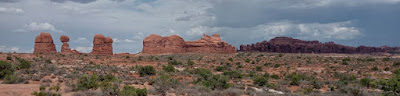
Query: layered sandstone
{"x": 102, "y": 45}
{"x": 155, "y": 44}
{"x": 290, "y": 45}
{"x": 65, "y": 49}
{"x": 44, "y": 44}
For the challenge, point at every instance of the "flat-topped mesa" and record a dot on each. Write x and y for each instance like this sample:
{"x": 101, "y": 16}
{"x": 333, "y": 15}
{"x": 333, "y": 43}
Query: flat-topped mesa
{"x": 102, "y": 45}
{"x": 155, "y": 44}
{"x": 44, "y": 44}
{"x": 290, "y": 45}
{"x": 65, "y": 49}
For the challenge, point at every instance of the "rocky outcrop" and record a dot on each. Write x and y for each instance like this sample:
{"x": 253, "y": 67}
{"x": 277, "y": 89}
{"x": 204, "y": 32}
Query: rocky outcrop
{"x": 155, "y": 44}
{"x": 44, "y": 44}
{"x": 102, "y": 45}
{"x": 290, "y": 45}
{"x": 65, "y": 49}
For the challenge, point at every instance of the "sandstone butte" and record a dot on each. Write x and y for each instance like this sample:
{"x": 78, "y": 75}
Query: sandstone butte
{"x": 65, "y": 49}
{"x": 44, "y": 44}
{"x": 102, "y": 45}
{"x": 155, "y": 44}
{"x": 290, "y": 45}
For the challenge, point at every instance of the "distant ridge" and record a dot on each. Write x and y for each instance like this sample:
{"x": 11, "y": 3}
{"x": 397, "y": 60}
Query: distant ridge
{"x": 290, "y": 45}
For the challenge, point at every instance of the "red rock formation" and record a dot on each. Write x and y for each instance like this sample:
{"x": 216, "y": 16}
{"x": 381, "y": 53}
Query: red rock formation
{"x": 44, "y": 44}
{"x": 155, "y": 44}
{"x": 290, "y": 45}
{"x": 65, "y": 47}
{"x": 102, "y": 45}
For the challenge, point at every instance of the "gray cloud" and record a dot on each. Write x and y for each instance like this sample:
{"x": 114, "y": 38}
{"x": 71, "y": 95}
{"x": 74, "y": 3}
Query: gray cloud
{"x": 8, "y": 1}
{"x": 78, "y": 1}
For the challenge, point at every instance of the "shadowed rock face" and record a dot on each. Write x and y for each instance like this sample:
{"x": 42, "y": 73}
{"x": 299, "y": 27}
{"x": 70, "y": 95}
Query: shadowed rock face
{"x": 44, "y": 44}
{"x": 65, "y": 49}
{"x": 102, "y": 45}
{"x": 290, "y": 45}
{"x": 155, "y": 44}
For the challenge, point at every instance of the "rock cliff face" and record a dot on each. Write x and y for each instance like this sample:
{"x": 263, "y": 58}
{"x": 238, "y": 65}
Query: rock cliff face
{"x": 290, "y": 45}
{"x": 102, "y": 45}
{"x": 65, "y": 49}
{"x": 44, "y": 44}
{"x": 155, "y": 44}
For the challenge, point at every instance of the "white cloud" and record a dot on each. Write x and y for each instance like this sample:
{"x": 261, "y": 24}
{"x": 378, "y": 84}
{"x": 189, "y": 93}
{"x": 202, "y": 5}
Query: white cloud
{"x": 35, "y": 26}
{"x": 82, "y": 40}
{"x": 129, "y": 41}
{"x": 11, "y": 10}
{"x": 83, "y": 49}
{"x": 116, "y": 40}
{"x": 8, "y": 49}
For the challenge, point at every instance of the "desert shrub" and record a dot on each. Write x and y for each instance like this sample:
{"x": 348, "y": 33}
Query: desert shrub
{"x": 251, "y": 74}
{"x": 260, "y": 81}
{"x": 280, "y": 55}
{"x": 55, "y": 88}
{"x": 345, "y": 63}
{"x": 247, "y": 60}
{"x": 23, "y": 64}
{"x": 43, "y": 92}
{"x": 230, "y": 59}
{"x": 221, "y": 68}
{"x": 396, "y": 63}
{"x": 370, "y": 59}
{"x": 174, "y": 62}
{"x": 9, "y": 57}
{"x": 203, "y": 74}
{"x": 277, "y": 65}
{"x": 146, "y": 70}
{"x": 295, "y": 78}
{"x": 397, "y": 71}
{"x": 374, "y": 68}
{"x": 190, "y": 63}
{"x": 5, "y": 69}
{"x": 274, "y": 76}
{"x": 216, "y": 82}
{"x": 168, "y": 68}
{"x": 131, "y": 91}
{"x": 110, "y": 88}
{"x": 366, "y": 82}
{"x": 233, "y": 74}
{"x": 316, "y": 84}
{"x": 267, "y": 64}
{"x": 88, "y": 82}
{"x": 13, "y": 79}
{"x": 346, "y": 59}
{"x": 258, "y": 68}
{"x": 163, "y": 83}
{"x": 386, "y": 59}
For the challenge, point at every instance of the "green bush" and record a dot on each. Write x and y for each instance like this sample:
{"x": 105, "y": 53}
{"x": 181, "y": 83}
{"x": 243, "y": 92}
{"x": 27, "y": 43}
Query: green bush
{"x": 233, "y": 74}
{"x": 260, "y": 81}
{"x": 88, "y": 82}
{"x": 168, "y": 68}
{"x": 13, "y": 79}
{"x": 23, "y": 64}
{"x": 386, "y": 59}
{"x": 5, "y": 69}
{"x": 366, "y": 82}
{"x": 203, "y": 74}
{"x": 346, "y": 59}
{"x": 174, "y": 62}
{"x": 374, "y": 68}
{"x": 247, "y": 60}
{"x": 230, "y": 59}
{"x": 295, "y": 78}
{"x": 190, "y": 63}
{"x": 164, "y": 82}
{"x": 396, "y": 63}
{"x": 146, "y": 70}
{"x": 275, "y": 76}
{"x": 258, "y": 68}
{"x": 277, "y": 65}
{"x": 220, "y": 68}
{"x": 216, "y": 82}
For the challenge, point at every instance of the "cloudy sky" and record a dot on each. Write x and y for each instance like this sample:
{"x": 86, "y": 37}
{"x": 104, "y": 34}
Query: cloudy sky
{"x": 128, "y": 22}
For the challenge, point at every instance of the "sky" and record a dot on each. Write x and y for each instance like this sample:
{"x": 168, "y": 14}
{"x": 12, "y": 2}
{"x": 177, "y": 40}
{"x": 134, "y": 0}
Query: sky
{"x": 128, "y": 22}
